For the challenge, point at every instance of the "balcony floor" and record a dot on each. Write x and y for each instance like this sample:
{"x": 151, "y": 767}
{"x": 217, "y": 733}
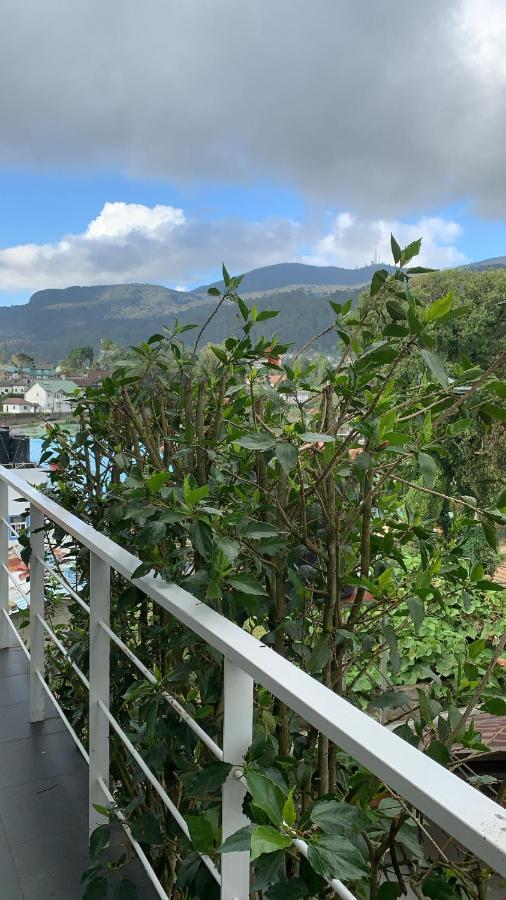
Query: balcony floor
{"x": 43, "y": 799}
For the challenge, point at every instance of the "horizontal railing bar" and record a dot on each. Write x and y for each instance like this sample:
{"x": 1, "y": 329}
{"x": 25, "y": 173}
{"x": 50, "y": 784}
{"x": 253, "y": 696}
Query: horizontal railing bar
{"x": 204, "y": 737}
{"x": 26, "y": 596}
{"x": 66, "y": 587}
{"x": 64, "y": 717}
{"x": 148, "y": 868}
{"x": 467, "y": 815}
{"x": 16, "y": 632}
{"x": 63, "y": 650}
{"x": 162, "y": 793}
{"x": 9, "y": 526}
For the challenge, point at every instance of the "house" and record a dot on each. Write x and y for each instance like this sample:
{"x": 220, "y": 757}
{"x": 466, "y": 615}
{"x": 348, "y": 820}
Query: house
{"x": 51, "y": 396}
{"x": 12, "y": 388}
{"x": 14, "y": 406}
{"x": 44, "y": 370}
{"x": 91, "y": 378}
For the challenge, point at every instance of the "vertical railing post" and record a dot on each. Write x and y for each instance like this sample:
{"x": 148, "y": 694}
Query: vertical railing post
{"x": 37, "y": 641}
{"x": 5, "y": 636}
{"x": 100, "y": 603}
{"x": 237, "y": 737}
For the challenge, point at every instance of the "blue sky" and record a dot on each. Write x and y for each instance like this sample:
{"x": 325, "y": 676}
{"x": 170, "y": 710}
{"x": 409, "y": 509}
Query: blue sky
{"x": 147, "y": 152}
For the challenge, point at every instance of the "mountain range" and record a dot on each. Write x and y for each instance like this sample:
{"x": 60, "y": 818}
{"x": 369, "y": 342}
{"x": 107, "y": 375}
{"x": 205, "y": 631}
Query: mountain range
{"x": 55, "y": 320}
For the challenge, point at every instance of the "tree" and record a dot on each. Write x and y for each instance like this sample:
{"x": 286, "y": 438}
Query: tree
{"x": 290, "y": 518}
{"x": 21, "y": 360}
{"x": 77, "y": 359}
{"x": 110, "y": 353}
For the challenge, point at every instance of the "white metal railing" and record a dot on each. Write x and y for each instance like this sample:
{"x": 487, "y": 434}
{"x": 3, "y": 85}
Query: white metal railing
{"x": 472, "y": 819}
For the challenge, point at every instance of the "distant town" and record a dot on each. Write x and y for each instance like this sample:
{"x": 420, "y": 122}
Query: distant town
{"x": 32, "y": 391}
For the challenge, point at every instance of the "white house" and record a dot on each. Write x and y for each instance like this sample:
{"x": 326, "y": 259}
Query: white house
{"x": 17, "y": 406}
{"x": 9, "y": 388}
{"x": 51, "y": 396}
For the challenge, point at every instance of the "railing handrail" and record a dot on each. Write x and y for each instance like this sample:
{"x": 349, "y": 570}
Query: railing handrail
{"x": 474, "y": 820}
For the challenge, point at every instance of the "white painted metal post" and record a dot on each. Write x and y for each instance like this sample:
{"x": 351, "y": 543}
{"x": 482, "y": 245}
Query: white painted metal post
{"x": 37, "y": 640}
{"x": 100, "y": 603}
{"x": 5, "y": 636}
{"x": 237, "y": 737}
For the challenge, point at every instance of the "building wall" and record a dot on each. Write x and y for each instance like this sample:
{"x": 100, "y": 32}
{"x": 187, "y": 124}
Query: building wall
{"x": 47, "y": 401}
{"x": 18, "y": 408}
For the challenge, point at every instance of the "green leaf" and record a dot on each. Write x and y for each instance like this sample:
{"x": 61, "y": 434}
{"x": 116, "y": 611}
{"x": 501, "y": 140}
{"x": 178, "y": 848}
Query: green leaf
{"x": 99, "y": 839}
{"x": 265, "y": 839}
{"x": 410, "y": 251}
{"x": 201, "y": 535}
{"x": 267, "y": 314}
{"x": 390, "y": 700}
{"x": 499, "y": 388}
{"x": 267, "y": 795}
{"x": 247, "y": 584}
{"x": 126, "y": 890}
{"x": 214, "y": 292}
{"x": 494, "y": 411}
{"x": 391, "y": 639}
{"x": 294, "y": 889}
{"x": 428, "y": 468}
{"x": 226, "y": 276}
{"x": 439, "y": 307}
{"x": 257, "y": 440}
{"x": 289, "y": 813}
{"x": 436, "y": 366}
{"x": 237, "y": 842}
{"x": 438, "y": 888}
{"x": 416, "y": 611}
{"x": 335, "y": 816}
{"x": 260, "y": 531}
{"x": 477, "y": 572}
{"x": 146, "y": 829}
{"x": 396, "y": 250}
{"x": 439, "y": 752}
{"x": 96, "y": 889}
{"x": 201, "y": 833}
{"x": 390, "y": 890}
{"x": 155, "y": 482}
{"x": 313, "y": 437}
{"x": 218, "y": 352}
{"x": 378, "y": 280}
{"x": 269, "y": 869}
{"x": 333, "y": 856}
{"x": 207, "y": 780}
{"x": 192, "y": 493}
{"x": 487, "y": 585}
{"x": 413, "y": 321}
{"x": 320, "y": 655}
{"x": 396, "y": 309}
{"x": 490, "y": 532}
{"x": 287, "y": 455}
{"x": 496, "y": 706}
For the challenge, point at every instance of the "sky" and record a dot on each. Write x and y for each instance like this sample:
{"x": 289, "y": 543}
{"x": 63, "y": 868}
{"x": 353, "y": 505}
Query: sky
{"x": 152, "y": 141}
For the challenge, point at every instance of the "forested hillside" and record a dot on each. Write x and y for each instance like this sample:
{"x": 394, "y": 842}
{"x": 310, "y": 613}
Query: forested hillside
{"x": 54, "y": 321}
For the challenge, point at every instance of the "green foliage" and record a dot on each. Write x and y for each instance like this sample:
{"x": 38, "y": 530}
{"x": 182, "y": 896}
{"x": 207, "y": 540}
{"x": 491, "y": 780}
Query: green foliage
{"x": 286, "y": 505}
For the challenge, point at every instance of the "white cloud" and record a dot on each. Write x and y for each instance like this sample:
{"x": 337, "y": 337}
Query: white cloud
{"x": 121, "y": 219}
{"x": 129, "y": 242}
{"x": 355, "y": 242}
{"x": 382, "y": 107}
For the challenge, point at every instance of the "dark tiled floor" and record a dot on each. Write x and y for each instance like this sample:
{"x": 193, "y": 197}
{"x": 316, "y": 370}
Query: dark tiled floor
{"x": 43, "y": 799}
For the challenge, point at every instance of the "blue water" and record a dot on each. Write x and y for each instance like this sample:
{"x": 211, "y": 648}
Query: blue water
{"x": 35, "y": 449}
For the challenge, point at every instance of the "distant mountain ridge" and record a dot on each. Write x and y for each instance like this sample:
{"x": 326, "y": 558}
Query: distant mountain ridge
{"x": 281, "y": 275}
{"x": 55, "y": 320}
